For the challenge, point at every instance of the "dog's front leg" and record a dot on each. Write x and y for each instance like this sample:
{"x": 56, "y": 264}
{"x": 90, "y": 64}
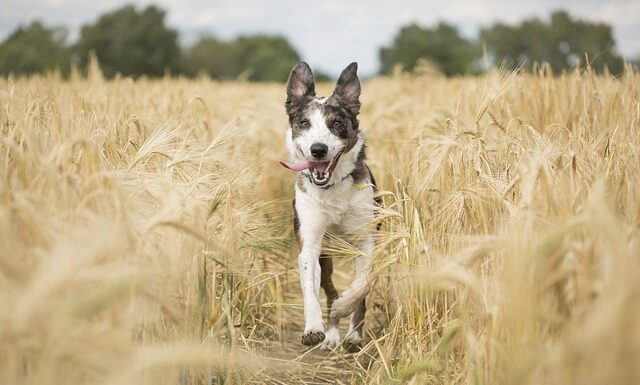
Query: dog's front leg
{"x": 311, "y": 233}
{"x": 309, "y": 266}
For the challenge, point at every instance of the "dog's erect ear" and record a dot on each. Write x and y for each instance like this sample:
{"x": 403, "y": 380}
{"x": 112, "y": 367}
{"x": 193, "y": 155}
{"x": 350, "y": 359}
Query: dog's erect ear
{"x": 300, "y": 83}
{"x": 348, "y": 88}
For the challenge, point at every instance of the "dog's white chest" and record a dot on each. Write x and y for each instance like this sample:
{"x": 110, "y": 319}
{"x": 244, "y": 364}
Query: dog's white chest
{"x": 338, "y": 206}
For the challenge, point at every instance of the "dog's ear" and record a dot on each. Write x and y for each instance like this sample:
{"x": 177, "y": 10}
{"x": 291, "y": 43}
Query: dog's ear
{"x": 300, "y": 84}
{"x": 348, "y": 88}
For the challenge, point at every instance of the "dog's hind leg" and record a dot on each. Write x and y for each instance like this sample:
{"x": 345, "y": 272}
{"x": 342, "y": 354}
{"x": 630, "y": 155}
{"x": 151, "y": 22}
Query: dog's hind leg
{"x": 350, "y": 299}
{"x": 332, "y": 334}
{"x": 355, "y": 335}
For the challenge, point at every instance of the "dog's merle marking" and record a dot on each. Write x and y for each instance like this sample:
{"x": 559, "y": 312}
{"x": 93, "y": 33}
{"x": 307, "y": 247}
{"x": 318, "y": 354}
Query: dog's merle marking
{"x": 300, "y": 182}
{"x": 360, "y": 172}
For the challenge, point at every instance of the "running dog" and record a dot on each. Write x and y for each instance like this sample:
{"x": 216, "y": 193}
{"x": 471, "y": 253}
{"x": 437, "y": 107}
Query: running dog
{"x": 334, "y": 194}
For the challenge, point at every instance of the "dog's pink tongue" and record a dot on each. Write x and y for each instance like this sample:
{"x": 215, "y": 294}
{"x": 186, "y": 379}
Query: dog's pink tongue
{"x": 299, "y": 166}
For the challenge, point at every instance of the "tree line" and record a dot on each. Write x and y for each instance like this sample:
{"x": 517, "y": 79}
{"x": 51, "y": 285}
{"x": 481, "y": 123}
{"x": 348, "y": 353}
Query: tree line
{"x": 563, "y": 43}
{"x": 136, "y": 42}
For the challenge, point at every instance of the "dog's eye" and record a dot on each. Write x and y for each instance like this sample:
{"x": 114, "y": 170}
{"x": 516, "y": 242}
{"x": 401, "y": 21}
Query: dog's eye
{"x": 337, "y": 124}
{"x": 304, "y": 123}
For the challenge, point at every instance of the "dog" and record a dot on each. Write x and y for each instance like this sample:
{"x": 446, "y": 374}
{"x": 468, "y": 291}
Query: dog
{"x": 334, "y": 194}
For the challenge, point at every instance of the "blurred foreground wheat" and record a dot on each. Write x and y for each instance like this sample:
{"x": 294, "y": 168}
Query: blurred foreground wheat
{"x": 146, "y": 237}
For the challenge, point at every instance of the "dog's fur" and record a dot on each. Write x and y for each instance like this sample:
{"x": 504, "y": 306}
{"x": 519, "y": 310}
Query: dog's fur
{"x": 342, "y": 206}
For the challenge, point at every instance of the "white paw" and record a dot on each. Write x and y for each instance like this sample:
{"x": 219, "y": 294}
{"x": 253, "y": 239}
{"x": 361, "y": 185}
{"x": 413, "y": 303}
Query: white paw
{"x": 312, "y": 336}
{"x": 332, "y": 339}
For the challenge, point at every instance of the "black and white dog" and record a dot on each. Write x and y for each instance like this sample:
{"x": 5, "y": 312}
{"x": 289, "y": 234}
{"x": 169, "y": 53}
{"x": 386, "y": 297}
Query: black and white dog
{"x": 334, "y": 194}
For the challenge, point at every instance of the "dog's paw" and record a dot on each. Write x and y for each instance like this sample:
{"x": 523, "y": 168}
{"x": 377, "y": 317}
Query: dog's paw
{"x": 332, "y": 339}
{"x": 312, "y": 337}
{"x": 352, "y": 346}
{"x": 353, "y": 343}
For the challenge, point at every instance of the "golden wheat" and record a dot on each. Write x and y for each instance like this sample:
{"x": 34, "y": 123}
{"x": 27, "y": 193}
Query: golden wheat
{"x": 146, "y": 236}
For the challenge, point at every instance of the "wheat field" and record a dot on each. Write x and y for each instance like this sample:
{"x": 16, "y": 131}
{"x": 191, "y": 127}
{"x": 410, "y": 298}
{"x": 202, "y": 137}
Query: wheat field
{"x": 146, "y": 232}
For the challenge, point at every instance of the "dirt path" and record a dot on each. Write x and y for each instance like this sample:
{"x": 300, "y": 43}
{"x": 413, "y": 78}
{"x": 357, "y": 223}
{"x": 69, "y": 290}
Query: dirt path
{"x": 290, "y": 362}
{"x": 294, "y": 363}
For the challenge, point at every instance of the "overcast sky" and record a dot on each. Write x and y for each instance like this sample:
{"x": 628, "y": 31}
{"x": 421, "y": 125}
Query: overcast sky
{"x": 330, "y": 33}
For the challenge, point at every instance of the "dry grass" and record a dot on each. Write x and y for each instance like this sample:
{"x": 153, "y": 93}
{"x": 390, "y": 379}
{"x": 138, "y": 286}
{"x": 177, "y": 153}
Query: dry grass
{"x": 146, "y": 237}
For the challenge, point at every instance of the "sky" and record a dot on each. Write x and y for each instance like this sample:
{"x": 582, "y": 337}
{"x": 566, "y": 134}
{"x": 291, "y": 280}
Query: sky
{"x": 329, "y": 34}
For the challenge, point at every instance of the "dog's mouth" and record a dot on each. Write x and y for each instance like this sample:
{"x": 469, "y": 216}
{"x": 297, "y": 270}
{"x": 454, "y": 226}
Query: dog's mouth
{"x": 320, "y": 171}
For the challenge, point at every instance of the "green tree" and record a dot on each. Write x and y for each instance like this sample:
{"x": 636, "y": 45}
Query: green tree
{"x": 213, "y": 57}
{"x": 259, "y": 58}
{"x": 34, "y": 49}
{"x": 131, "y": 42}
{"x": 266, "y": 58}
{"x": 442, "y": 46}
{"x": 562, "y": 42}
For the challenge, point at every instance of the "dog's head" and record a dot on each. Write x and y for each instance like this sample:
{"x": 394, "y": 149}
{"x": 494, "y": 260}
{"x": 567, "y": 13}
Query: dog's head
{"x": 322, "y": 128}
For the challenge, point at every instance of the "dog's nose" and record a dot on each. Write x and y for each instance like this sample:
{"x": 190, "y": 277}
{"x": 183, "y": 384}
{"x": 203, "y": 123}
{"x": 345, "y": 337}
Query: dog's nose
{"x": 319, "y": 150}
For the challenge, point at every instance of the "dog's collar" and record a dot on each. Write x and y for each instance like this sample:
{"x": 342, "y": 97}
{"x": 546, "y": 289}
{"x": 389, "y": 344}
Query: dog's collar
{"x": 308, "y": 176}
